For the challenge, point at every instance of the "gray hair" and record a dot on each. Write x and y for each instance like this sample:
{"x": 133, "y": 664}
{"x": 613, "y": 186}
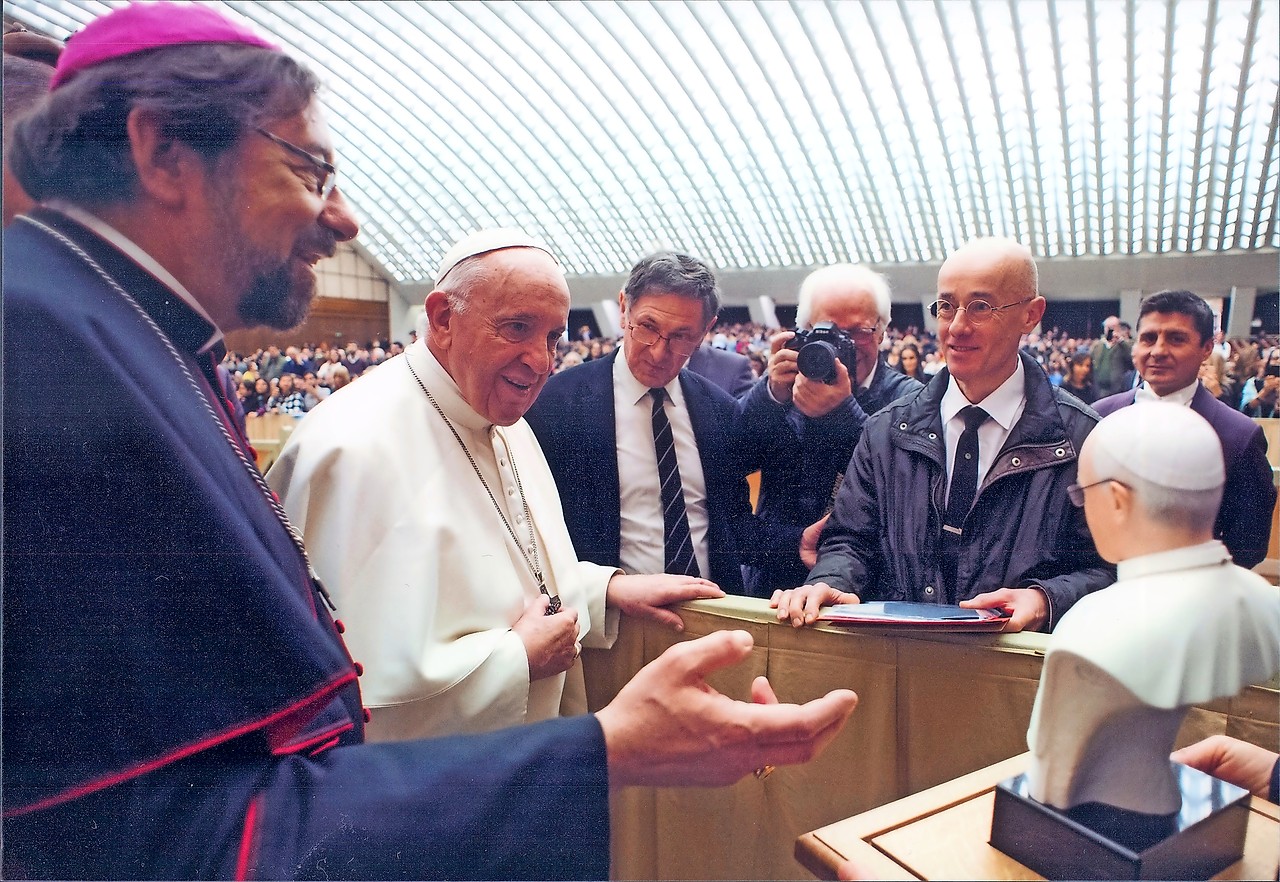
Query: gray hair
{"x": 465, "y": 277}
{"x": 25, "y": 83}
{"x": 671, "y": 272}
{"x": 846, "y": 276}
{"x": 75, "y": 145}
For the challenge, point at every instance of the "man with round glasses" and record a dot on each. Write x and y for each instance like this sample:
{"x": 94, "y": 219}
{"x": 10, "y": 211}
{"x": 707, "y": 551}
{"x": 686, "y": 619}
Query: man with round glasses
{"x": 958, "y": 493}
{"x": 650, "y": 467}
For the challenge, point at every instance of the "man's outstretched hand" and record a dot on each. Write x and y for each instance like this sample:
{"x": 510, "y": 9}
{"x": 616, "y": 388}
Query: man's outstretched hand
{"x": 668, "y": 727}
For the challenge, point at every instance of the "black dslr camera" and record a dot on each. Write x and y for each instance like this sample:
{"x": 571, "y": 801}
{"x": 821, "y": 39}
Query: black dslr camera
{"x": 818, "y": 350}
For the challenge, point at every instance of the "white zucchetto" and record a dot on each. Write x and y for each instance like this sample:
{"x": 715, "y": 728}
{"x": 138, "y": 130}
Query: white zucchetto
{"x": 484, "y": 241}
{"x": 1167, "y": 444}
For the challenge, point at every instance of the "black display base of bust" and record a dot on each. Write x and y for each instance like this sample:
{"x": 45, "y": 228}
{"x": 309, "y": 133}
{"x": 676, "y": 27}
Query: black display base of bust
{"x": 1098, "y": 841}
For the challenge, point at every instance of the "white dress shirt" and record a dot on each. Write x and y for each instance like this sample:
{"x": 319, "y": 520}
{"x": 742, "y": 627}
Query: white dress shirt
{"x": 1004, "y": 406}
{"x": 1181, "y": 396}
{"x": 642, "y": 549}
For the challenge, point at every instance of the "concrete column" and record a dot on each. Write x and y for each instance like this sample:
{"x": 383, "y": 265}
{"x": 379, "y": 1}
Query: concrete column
{"x": 1130, "y": 302}
{"x": 926, "y": 300}
{"x": 1238, "y": 322}
{"x": 608, "y": 318}
{"x": 763, "y": 312}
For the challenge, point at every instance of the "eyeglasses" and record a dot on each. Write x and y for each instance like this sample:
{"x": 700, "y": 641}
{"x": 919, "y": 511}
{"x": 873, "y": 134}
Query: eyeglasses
{"x": 1075, "y": 492}
{"x": 680, "y": 344}
{"x": 861, "y": 333}
{"x": 326, "y": 174}
{"x": 978, "y": 311}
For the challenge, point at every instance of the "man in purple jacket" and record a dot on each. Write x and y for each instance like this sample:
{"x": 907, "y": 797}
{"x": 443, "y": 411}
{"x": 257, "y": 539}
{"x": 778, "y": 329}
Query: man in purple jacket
{"x": 1175, "y": 334}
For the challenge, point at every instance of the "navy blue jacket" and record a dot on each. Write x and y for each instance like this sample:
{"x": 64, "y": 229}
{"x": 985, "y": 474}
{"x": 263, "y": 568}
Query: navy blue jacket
{"x": 883, "y": 541}
{"x": 1244, "y": 519}
{"x": 178, "y": 702}
{"x": 728, "y": 370}
{"x": 804, "y": 459}
{"x": 574, "y": 421}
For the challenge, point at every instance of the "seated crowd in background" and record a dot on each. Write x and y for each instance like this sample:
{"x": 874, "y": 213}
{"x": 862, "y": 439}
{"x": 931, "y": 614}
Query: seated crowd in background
{"x": 1236, "y": 372}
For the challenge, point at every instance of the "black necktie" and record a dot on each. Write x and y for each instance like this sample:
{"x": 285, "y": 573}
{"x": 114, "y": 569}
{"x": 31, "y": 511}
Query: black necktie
{"x": 964, "y": 486}
{"x": 677, "y": 543}
{"x": 964, "y": 472}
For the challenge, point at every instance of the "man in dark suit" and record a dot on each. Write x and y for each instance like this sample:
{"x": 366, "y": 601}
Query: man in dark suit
{"x": 179, "y": 702}
{"x": 810, "y": 427}
{"x": 1175, "y": 334}
{"x": 728, "y": 370}
{"x": 646, "y": 454}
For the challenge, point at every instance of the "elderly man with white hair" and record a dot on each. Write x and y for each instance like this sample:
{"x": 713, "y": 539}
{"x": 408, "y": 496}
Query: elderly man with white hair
{"x": 1182, "y": 625}
{"x": 430, "y": 512}
{"x": 811, "y": 427}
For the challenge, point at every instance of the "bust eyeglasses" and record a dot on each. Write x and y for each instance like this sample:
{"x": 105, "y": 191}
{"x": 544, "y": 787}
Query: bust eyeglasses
{"x": 1075, "y": 492}
{"x": 326, "y": 176}
{"x": 978, "y": 311}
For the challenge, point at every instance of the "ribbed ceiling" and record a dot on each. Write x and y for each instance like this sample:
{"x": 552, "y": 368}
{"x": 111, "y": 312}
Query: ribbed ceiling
{"x": 778, "y": 134}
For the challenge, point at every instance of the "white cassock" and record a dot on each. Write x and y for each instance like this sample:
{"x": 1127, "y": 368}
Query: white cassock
{"x": 426, "y": 578}
{"x": 1178, "y": 628}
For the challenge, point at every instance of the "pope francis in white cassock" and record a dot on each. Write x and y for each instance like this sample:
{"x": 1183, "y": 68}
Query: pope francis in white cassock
{"x": 432, "y": 525}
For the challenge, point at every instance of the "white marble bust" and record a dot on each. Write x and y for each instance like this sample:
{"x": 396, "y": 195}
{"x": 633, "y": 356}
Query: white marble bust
{"x": 1182, "y": 625}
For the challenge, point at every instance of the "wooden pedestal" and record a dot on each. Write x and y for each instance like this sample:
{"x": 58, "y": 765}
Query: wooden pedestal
{"x": 943, "y": 833}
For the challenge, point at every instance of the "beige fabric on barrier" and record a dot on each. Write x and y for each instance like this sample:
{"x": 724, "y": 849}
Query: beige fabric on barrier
{"x": 931, "y": 707}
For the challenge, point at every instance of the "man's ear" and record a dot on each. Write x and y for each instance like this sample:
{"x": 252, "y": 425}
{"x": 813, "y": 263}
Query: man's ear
{"x": 1122, "y": 500}
{"x": 439, "y": 317}
{"x": 167, "y": 168}
{"x": 1035, "y": 312}
{"x": 622, "y": 307}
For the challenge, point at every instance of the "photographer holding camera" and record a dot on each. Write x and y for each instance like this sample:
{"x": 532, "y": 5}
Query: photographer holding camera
{"x": 823, "y": 381}
{"x": 1112, "y": 358}
{"x": 1259, "y": 395}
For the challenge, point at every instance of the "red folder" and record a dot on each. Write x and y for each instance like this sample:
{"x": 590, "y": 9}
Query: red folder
{"x": 904, "y": 614}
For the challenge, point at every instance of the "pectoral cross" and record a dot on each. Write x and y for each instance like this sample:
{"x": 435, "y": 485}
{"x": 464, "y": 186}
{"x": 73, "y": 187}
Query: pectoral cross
{"x": 554, "y": 598}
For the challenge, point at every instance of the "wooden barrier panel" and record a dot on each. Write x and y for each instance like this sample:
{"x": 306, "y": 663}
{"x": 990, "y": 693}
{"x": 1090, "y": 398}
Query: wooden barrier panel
{"x": 931, "y": 707}
{"x": 1271, "y": 431}
{"x": 267, "y": 434}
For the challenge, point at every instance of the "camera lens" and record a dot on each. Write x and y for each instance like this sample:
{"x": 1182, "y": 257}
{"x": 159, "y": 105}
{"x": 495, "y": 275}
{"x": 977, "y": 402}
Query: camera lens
{"x": 817, "y": 361}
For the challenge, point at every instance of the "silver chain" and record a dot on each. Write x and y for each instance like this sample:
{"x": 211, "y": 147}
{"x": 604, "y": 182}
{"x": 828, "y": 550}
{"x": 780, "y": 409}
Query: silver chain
{"x": 235, "y": 445}
{"x": 534, "y": 565}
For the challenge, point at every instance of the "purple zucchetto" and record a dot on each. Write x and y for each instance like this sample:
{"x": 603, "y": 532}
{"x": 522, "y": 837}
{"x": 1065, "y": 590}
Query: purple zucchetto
{"x": 141, "y": 27}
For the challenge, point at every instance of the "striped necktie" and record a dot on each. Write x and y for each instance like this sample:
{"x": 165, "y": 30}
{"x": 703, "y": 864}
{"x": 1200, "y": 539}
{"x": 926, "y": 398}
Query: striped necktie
{"x": 677, "y": 543}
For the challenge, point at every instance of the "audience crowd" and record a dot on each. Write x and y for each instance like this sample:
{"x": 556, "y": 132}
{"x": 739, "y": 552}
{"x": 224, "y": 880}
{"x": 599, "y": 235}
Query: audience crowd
{"x": 245, "y": 774}
{"x": 1243, "y": 373}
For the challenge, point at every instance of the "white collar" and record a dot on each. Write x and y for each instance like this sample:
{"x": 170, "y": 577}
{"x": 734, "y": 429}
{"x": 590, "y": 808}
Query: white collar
{"x": 445, "y": 391}
{"x": 1002, "y": 405}
{"x": 1207, "y": 554}
{"x": 138, "y": 256}
{"x": 875, "y": 366}
{"x": 632, "y": 391}
{"x": 1181, "y": 396}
